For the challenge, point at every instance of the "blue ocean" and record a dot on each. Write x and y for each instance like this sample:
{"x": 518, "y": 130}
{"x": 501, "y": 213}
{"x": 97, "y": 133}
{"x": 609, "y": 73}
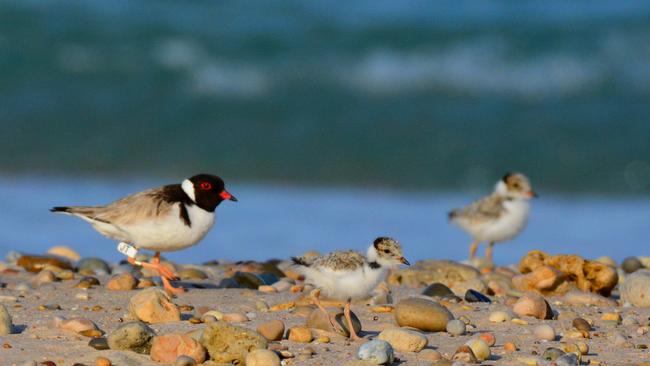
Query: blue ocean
{"x": 333, "y": 122}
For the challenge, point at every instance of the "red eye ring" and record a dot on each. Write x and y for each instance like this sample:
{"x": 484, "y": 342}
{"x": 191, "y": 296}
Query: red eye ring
{"x": 206, "y": 186}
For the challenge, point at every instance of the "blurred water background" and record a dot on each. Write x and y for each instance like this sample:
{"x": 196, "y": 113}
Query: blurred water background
{"x": 333, "y": 122}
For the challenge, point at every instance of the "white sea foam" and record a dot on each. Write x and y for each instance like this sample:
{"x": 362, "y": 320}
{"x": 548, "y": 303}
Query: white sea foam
{"x": 219, "y": 78}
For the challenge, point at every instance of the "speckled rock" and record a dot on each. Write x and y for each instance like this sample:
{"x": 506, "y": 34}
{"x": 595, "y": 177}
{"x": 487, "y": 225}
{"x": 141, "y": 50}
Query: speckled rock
{"x": 422, "y": 314}
{"x": 636, "y": 288}
{"x": 262, "y": 357}
{"x": 167, "y": 348}
{"x": 377, "y": 352}
{"x": 227, "y": 343}
{"x": 132, "y": 336}
{"x": 404, "y": 340}
{"x": 153, "y": 305}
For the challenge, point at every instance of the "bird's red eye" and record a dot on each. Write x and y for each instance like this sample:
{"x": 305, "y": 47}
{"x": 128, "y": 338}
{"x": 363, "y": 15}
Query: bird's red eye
{"x": 206, "y": 186}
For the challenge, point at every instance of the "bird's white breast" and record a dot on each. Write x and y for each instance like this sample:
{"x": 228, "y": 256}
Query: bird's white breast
{"x": 343, "y": 285}
{"x": 169, "y": 232}
{"x": 507, "y": 225}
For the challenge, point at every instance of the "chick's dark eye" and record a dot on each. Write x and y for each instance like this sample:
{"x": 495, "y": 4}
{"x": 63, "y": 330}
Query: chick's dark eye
{"x": 206, "y": 186}
{"x": 386, "y": 251}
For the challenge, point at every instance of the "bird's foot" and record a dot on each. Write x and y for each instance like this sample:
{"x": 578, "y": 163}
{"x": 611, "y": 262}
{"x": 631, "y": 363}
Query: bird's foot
{"x": 171, "y": 289}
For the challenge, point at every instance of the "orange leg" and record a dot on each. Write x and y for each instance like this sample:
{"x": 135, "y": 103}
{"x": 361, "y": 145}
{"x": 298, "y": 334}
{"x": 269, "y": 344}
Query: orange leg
{"x": 316, "y": 300}
{"x": 488, "y": 251}
{"x": 165, "y": 273}
{"x": 472, "y": 250}
{"x": 348, "y": 317}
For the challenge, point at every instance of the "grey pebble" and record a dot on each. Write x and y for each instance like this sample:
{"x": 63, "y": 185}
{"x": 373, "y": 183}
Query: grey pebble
{"x": 184, "y": 361}
{"x": 456, "y": 327}
{"x": 376, "y": 351}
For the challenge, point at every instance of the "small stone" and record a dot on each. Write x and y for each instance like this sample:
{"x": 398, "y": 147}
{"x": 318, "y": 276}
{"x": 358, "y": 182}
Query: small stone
{"x": 262, "y": 357}
{"x": 377, "y": 351}
{"x": 509, "y": 347}
{"x": 429, "y": 355}
{"x": 322, "y": 339}
{"x": 480, "y": 348}
{"x": 267, "y": 289}
{"x": 122, "y": 282}
{"x": 475, "y": 296}
{"x": 612, "y": 317}
{"x": 184, "y": 361}
{"x": 235, "y": 318}
{"x": 65, "y": 252}
{"x": 456, "y": 327}
{"x": 422, "y": 314}
{"x": 227, "y": 343}
{"x": 583, "y": 347}
{"x": 575, "y": 297}
{"x": 99, "y": 344}
{"x": 102, "y": 361}
{"x": 581, "y": 324}
{"x": 153, "y": 305}
{"x": 552, "y": 353}
{"x": 318, "y": 320}
{"x": 33, "y": 263}
{"x": 211, "y": 313}
{"x": 404, "y": 340}
{"x": 192, "y": 274}
{"x": 533, "y": 305}
{"x": 618, "y": 339}
{"x": 87, "y": 282}
{"x": 488, "y": 338}
{"x": 146, "y": 283}
{"x": 262, "y": 306}
{"x": 252, "y": 280}
{"x": 281, "y": 286}
{"x": 629, "y": 321}
{"x": 76, "y": 324}
{"x": 499, "y": 317}
{"x": 544, "y": 332}
{"x": 300, "y": 334}
{"x": 631, "y": 264}
{"x": 65, "y": 275}
{"x": 91, "y": 333}
{"x": 272, "y": 331}
{"x": 6, "y": 325}
{"x": 167, "y": 348}
{"x": 93, "y": 265}
{"x": 437, "y": 290}
{"x": 43, "y": 277}
{"x": 567, "y": 359}
{"x": 132, "y": 336}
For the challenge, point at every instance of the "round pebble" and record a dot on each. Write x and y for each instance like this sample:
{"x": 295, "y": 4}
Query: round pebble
{"x": 456, "y": 327}
{"x": 262, "y": 357}
{"x": 488, "y": 338}
{"x": 480, "y": 348}
{"x": 631, "y": 264}
{"x": 102, "y": 361}
{"x": 499, "y": 317}
{"x": 552, "y": 353}
{"x": 544, "y": 332}
{"x": 510, "y": 347}
{"x": 581, "y": 324}
{"x": 377, "y": 351}
{"x": 185, "y": 361}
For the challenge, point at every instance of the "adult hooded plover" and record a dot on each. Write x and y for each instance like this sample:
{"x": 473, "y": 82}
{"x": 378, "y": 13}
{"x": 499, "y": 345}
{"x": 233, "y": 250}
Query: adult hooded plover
{"x": 497, "y": 217}
{"x": 163, "y": 219}
{"x": 348, "y": 275}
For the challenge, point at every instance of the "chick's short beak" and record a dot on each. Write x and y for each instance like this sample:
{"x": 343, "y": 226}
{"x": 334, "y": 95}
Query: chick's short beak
{"x": 404, "y": 261}
{"x": 227, "y": 196}
{"x": 532, "y": 194}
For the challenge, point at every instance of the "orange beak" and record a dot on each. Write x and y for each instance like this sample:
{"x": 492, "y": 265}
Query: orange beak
{"x": 404, "y": 261}
{"x": 532, "y": 194}
{"x": 227, "y": 196}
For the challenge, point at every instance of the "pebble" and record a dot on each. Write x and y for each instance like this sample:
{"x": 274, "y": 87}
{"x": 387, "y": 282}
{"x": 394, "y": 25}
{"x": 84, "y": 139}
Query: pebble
{"x": 631, "y": 264}
{"x": 228, "y": 343}
{"x": 618, "y": 339}
{"x": 192, "y": 274}
{"x": 65, "y": 252}
{"x": 94, "y": 265}
{"x": 77, "y": 324}
{"x": 544, "y": 332}
{"x": 102, "y": 361}
{"x": 581, "y": 324}
{"x": 567, "y": 359}
{"x": 267, "y": 289}
{"x": 146, "y": 283}
{"x": 99, "y": 344}
{"x": 607, "y": 261}
{"x": 122, "y": 282}
{"x": 465, "y": 354}
{"x": 43, "y": 277}
{"x": 576, "y": 297}
{"x": 636, "y": 289}
{"x": 282, "y": 285}
{"x": 533, "y": 305}
{"x": 235, "y": 318}
{"x": 300, "y": 334}
{"x": 429, "y": 355}
{"x": 167, "y": 348}
{"x": 510, "y": 347}
{"x": 499, "y": 316}
{"x": 262, "y": 306}
{"x": 404, "y": 340}
{"x": 456, "y": 327}
{"x": 377, "y": 351}
{"x": 552, "y": 353}
{"x": 272, "y": 330}
{"x": 184, "y": 361}
{"x": 33, "y": 263}
{"x": 437, "y": 290}
{"x": 6, "y": 325}
{"x": 480, "y": 349}
{"x": 253, "y": 280}
{"x": 422, "y": 314}
{"x": 629, "y": 320}
{"x": 616, "y": 317}
{"x": 133, "y": 336}
{"x": 262, "y": 357}
{"x": 153, "y": 305}
{"x": 87, "y": 282}
{"x": 475, "y": 296}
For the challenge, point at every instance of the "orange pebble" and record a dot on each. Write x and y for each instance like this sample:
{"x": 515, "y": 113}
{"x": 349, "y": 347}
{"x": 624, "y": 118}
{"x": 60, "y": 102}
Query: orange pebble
{"x": 488, "y": 338}
{"x": 510, "y": 347}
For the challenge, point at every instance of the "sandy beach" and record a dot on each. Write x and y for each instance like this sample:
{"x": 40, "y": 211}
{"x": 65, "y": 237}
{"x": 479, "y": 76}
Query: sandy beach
{"x": 618, "y": 334}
